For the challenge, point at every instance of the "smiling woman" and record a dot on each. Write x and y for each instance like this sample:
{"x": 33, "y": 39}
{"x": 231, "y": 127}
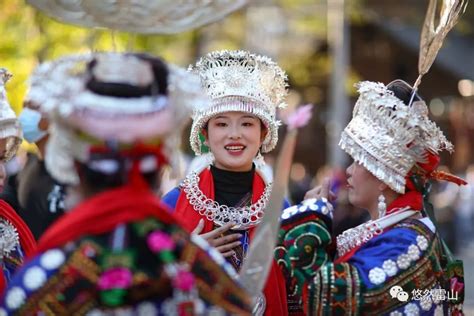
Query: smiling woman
{"x": 225, "y": 198}
{"x": 235, "y": 139}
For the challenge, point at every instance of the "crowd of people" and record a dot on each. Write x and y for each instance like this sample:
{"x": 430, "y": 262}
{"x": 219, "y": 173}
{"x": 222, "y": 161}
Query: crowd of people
{"x": 84, "y": 231}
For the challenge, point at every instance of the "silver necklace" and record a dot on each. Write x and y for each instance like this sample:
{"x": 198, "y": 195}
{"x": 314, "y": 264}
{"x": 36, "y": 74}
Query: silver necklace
{"x": 243, "y": 217}
{"x": 361, "y": 234}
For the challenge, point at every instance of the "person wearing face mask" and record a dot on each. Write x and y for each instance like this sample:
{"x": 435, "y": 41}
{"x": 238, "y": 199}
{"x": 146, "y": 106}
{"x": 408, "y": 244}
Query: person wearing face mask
{"x": 16, "y": 239}
{"x": 37, "y": 197}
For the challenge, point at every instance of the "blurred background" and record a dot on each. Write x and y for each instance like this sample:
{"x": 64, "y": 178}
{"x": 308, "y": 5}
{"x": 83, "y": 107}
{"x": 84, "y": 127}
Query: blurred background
{"x": 325, "y": 47}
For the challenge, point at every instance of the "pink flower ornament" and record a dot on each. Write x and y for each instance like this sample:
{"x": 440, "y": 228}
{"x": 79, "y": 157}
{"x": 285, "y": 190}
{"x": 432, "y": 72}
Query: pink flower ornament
{"x": 184, "y": 280}
{"x": 115, "y": 278}
{"x": 300, "y": 117}
{"x": 159, "y": 241}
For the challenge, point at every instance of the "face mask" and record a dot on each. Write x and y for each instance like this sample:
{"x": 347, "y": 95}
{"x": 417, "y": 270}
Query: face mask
{"x": 29, "y": 120}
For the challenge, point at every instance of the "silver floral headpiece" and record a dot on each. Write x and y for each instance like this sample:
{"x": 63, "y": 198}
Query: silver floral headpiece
{"x": 242, "y": 82}
{"x": 139, "y": 16}
{"x": 388, "y": 137}
{"x": 9, "y": 125}
{"x": 59, "y": 88}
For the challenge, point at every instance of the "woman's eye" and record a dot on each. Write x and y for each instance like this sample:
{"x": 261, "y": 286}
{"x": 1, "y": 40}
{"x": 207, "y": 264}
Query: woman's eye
{"x": 221, "y": 124}
{"x": 247, "y": 124}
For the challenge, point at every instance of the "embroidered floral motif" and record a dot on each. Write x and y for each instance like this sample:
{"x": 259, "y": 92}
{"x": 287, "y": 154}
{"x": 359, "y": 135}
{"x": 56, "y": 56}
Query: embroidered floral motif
{"x": 414, "y": 252}
{"x": 390, "y": 267}
{"x": 377, "y": 276}
{"x": 411, "y": 309}
{"x": 403, "y": 261}
{"x": 15, "y": 298}
{"x": 34, "y": 278}
{"x": 158, "y": 241}
{"x": 426, "y": 303}
{"x": 184, "y": 280}
{"x": 422, "y": 242}
{"x": 115, "y": 278}
{"x": 52, "y": 259}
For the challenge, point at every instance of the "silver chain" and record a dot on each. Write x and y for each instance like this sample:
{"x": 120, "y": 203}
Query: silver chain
{"x": 356, "y": 236}
{"x": 243, "y": 217}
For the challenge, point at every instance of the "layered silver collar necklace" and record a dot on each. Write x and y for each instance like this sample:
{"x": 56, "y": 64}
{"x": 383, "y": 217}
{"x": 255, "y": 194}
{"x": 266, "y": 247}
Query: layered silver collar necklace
{"x": 244, "y": 217}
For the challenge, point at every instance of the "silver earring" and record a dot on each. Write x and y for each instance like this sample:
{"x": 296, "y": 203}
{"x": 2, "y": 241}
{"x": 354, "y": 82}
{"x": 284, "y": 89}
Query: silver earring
{"x": 382, "y": 207}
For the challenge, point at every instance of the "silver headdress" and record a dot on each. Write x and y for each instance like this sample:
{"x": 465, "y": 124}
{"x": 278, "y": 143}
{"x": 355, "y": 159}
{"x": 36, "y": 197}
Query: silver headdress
{"x": 388, "y": 137}
{"x": 140, "y": 16}
{"x": 9, "y": 126}
{"x": 80, "y": 117}
{"x": 243, "y": 82}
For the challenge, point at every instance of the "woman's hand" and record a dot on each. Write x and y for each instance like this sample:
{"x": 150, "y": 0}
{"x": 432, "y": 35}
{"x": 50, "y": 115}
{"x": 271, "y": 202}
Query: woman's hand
{"x": 224, "y": 244}
{"x": 321, "y": 191}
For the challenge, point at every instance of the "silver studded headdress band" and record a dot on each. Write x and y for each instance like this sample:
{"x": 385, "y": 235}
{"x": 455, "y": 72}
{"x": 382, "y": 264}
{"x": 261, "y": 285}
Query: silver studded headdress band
{"x": 79, "y": 116}
{"x": 242, "y": 82}
{"x": 388, "y": 137}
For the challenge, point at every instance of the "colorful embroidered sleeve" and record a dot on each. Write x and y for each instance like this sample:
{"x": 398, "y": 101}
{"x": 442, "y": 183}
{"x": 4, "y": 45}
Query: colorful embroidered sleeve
{"x": 405, "y": 258}
{"x": 302, "y": 241}
{"x": 161, "y": 270}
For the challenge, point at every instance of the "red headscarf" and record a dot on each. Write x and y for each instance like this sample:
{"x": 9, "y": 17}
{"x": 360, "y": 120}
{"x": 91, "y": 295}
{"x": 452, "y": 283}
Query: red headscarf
{"x": 428, "y": 171}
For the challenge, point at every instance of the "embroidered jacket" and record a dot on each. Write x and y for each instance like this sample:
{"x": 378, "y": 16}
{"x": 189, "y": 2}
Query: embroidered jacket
{"x": 399, "y": 271}
{"x": 123, "y": 252}
{"x": 177, "y": 199}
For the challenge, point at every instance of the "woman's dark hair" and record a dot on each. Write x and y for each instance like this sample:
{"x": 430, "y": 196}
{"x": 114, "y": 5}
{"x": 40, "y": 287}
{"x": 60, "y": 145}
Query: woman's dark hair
{"x": 403, "y": 91}
{"x": 94, "y": 180}
{"x": 122, "y": 90}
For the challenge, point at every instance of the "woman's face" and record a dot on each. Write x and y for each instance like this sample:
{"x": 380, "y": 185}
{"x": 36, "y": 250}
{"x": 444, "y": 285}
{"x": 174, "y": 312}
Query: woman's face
{"x": 234, "y": 138}
{"x": 363, "y": 187}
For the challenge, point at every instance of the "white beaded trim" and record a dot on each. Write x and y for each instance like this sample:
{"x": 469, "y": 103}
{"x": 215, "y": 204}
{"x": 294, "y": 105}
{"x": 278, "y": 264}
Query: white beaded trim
{"x": 15, "y": 298}
{"x": 377, "y": 276}
{"x": 52, "y": 259}
{"x": 411, "y": 309}
{"x": 34, "y": 278}
{"x": 390, "y": 267}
